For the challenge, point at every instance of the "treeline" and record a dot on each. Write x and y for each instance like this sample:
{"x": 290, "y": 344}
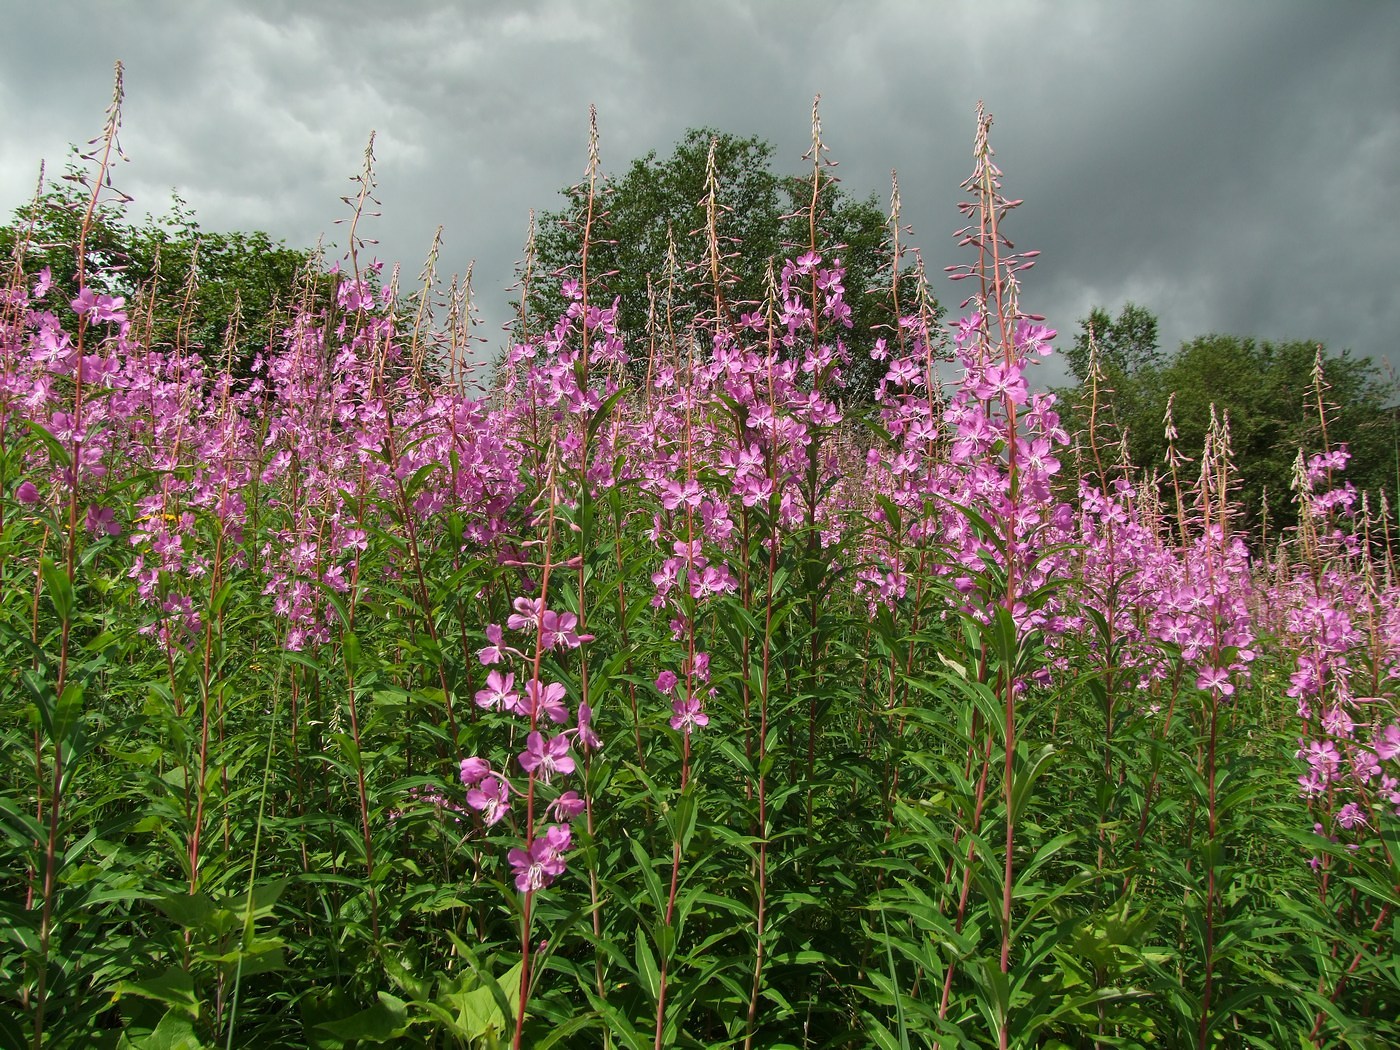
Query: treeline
{"x": 226, "y": 295}
{"x": 1148, "y": 404}
{"x": 229, "y": 293}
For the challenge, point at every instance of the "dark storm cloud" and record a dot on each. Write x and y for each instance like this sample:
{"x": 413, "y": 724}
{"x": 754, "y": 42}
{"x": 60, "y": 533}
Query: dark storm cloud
{"x": 1234, "y": 168}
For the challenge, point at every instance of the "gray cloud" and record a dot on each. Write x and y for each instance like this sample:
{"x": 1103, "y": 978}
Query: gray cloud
{"x": 1234, "y": 168}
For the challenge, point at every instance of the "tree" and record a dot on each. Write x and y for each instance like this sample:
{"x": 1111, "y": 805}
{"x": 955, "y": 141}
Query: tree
{"x": 247, "y": 273}
{"x": 763, "y": 217}
{"x": 1126, "y": 344}
{"x": 1265, "y": 388}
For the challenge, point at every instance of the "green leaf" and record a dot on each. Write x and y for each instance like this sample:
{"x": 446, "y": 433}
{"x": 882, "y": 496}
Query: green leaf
{"x": 190, "y": 910}
{"x": 58, "y": 453}
{"x": 487, "y": 1010}
{"x": 175, "y": 1031}
{"x": 683, "y": 816}
{"x": 1023, "y": 781}
{"x": 58, "y": 587}
{"x": 647, "y": 969}
{"x": 174, "y": 987}
{"x": 649, "y": 876}
{"x": 383, "y": 1022}
{"x": 350, "y": 644}
{"x": 1003, "y": 633}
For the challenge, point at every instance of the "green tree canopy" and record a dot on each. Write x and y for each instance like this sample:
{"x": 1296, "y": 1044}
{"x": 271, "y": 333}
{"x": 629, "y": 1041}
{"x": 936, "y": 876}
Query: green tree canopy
{"x": 763, "y": 216}
{"x": 1127, "y": 343}
{"x": 263, "y": 277}
{"x": 1265, "y": 388}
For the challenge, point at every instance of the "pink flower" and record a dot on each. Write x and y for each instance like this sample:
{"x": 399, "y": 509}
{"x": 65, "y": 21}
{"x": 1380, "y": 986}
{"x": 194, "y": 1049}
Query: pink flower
{"x": 587, "y": 739}
{"x": 546, "y": 700}
{"x": 1312, "y": 783}
{"x": 1324, "y": 761}
{"x": 1002, "y": 380}
{"x": 526, "y": 615}
{"x": 109, "y": 308}
{"x": 543, "y": 758}
{"x": 687, "y": 714}
{"x": 499, "y": 692}
{"x": 491, "y": 799}
{"x": 102, "y": 307}
{"x": 701, "y": 668}
{"x": 712, "y": 580}
{"x": 1215, "y": 678}
{"x": 1390, "y": 791}
{"x": 473, "y": 770}
{"x": 1034, "y": 338}
{"x": 967, "y": 329}
{"x": 675, "y": 495}
{"x": 538, "y": 866}
{"x": 1336, "y": 722}
{"x": 27, "y": 493}
{"x": 354, "y": 296}
{"x": 85, "y": 301}
{"x": 493, "y": 653}
{"x": 1350, "y": 816}
{"x": 1388, "y": 742}
{"x": 665, "y": 682}
{"x": 102, "y": 519}
{"x": 558, "y": 630}
{"x": 566, "y": 807}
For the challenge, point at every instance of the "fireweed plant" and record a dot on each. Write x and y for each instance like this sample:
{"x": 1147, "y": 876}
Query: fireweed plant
{"x": 660, "y": 692}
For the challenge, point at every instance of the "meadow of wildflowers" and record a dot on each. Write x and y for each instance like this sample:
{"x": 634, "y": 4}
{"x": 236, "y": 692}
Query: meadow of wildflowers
{"x": 660, "y": 694}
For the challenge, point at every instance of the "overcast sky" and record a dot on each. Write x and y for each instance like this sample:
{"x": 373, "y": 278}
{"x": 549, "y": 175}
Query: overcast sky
{"x": 1232, "y": 166}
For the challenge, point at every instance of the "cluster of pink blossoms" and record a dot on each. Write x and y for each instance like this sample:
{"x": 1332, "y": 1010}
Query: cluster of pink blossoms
{"x": 1346, "y": 638}
{"x": 330, "y": 424}
{"x": 546, "y": 758}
